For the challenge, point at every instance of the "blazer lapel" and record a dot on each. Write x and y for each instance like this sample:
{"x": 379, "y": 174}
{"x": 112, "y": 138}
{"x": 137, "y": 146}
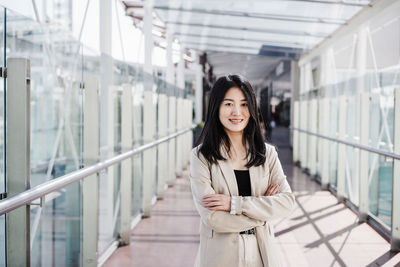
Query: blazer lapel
{"x": 228, "y": 173}
{"x": 255, "y": 176}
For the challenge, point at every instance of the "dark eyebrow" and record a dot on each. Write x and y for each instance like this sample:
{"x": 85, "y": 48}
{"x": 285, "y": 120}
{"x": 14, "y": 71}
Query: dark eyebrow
{"x": 228, "y": 99}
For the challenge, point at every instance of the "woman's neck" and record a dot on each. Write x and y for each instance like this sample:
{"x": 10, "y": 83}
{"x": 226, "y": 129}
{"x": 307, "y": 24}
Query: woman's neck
{"x": 237, "y": 146}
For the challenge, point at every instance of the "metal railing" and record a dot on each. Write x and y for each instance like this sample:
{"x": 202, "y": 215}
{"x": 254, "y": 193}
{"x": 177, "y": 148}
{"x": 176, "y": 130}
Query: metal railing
{"x": 40, "y": 191}
{"x": 362, "y": 147}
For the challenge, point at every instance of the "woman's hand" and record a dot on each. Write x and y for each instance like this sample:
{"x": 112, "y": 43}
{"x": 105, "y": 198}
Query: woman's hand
{"x": 273, "y": 189}
{"x": 217, "y": 202}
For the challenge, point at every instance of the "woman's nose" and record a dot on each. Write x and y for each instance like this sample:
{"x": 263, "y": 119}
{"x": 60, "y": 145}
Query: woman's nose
{"x": 235, "y": 110}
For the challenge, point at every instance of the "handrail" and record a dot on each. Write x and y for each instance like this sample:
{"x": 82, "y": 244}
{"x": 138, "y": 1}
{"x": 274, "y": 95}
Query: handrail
{"x": 39, "y": 191}
{"x": 363, "y": 147}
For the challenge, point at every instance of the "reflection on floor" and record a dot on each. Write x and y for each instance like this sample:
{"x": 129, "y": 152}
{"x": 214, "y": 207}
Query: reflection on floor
{"x": 320, "y": 231}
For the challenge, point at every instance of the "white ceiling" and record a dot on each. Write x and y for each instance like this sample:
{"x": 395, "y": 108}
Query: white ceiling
{"x": 251, "y": 37}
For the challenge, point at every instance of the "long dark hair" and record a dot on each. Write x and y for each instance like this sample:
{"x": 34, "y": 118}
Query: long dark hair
{"x": 213, "y": 134}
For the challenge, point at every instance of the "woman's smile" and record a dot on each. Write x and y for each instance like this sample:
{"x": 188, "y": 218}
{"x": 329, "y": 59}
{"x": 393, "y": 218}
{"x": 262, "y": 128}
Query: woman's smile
{"x": 235, "y": 121}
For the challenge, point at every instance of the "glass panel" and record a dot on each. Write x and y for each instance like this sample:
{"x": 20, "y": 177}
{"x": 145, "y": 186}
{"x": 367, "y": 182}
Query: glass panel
{"x": 138, "y": 140}
{"x": 380, "y": 188}
{"x": 2, "y": 137}
{"x": 55, "y": 229}
{"x": 351, "y": 162}
{"x": 333, "y": 146}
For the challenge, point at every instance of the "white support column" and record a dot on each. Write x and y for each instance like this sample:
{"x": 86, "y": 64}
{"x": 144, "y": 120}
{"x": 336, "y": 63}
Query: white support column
{"x": 162, "y": 157}
{"x": 295, "y": 120}
{"x": 312, "y": 158}
{"x": 360, "y": 158}
{"x": 105, "y": 127}
{"x": 90, "y": 185}
{"x": 179, "y": 117}
{"x": 126, "y": 165}
{"x": 106, "y": 178}
{"x": 395, "y": 240}
{"x": 18, "y": 160}
{"x": 172, "y": 142}
{"x": 110, "y": 171}
{"x": 137, "y": 160}
{"x": 188, "y": 135}
{"x": 190, "y": 122}
{"x": 106, "y": 70}
{"x": 148, "y": 40}
{"x": 341, "y": 170}
{"x": 303, "y": 136}
{"x": 324, "y": 110}
{"x": 181, "y": 70}
{"x": 170, "y": 64}
{"x": 364, "y": 157}
{"x": 149, "y": 120}
{"x": 199, "y": 91}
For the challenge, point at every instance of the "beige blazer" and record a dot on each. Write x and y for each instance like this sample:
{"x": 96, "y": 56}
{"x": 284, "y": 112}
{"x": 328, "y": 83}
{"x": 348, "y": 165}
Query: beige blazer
{"x": 219, "y": 230}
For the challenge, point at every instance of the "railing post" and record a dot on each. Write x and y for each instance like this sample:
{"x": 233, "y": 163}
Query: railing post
{"x": 149, "y": 120}
{"x": 303, "y": 136}
{"x": 179, "y": 139}
{"x": 395, "y": 240}
{"x": 137, "y": 160}
{"x": 18, "y": 159}
{"x": 162, "y": 157}
{"x": 324, "y": 126}
{"x": 126, "y": 165}
{"x": 296, "y": 132}
{"x": 190, "y": 122}
{"x": 364, "y": 157}
{"x": 90, "y": 185}
{"x": 172, "y": 142}
{"x": 341, "y": 173}
{"x": 312, "y": 158}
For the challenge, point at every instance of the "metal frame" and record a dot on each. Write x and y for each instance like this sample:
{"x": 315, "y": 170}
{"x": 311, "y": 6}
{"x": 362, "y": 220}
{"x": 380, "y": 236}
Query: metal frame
{"x": 18, "y": 248}
{"x": 262, "y": 41}
{"x": 252, "y": 15}
{"x": 90, "y": 186}
{"x": 26, "y": 197}
{"x": 126, "y": 166}
{"x": 395, "y": 241}
{"x": 362, "y": 147}
{"x": 248, "y": 29}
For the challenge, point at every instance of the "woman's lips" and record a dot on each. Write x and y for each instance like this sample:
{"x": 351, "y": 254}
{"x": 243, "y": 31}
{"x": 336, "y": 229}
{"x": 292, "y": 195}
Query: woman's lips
{"x": 235, "y": 121}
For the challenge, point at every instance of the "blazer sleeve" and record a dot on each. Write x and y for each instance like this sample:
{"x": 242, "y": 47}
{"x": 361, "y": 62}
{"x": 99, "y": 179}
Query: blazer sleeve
{"x": 266, "y": 208}
{"x": 219, "y": 221}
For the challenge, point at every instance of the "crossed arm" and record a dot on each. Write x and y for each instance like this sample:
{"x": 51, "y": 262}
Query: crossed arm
{"x": 252, "y": 211}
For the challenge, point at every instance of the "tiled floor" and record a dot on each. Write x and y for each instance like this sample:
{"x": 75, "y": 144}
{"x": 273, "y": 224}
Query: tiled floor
{"x": 320, "y": 231}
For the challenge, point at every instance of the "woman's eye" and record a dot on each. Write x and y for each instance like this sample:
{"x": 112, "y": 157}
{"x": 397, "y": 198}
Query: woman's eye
{"x": 228, "y": 104}
{"x": 244, "y": 105}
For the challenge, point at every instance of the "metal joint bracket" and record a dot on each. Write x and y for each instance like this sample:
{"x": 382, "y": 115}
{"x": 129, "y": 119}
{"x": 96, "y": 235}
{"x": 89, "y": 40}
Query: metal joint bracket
{"x": 3, "y": 72}
{"x": 82, "y": 85}
{"x": 3, "y": 195}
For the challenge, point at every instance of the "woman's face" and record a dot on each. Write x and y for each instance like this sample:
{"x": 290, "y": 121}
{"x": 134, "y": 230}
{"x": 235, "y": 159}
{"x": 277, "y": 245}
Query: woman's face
{"x": 234, "y": 112}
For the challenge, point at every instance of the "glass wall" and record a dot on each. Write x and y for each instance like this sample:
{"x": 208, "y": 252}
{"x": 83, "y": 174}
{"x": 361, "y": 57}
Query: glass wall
{"x": 60, "y": 65}
{"x": 362, "y": 61}
{"x": 2, "y": 124}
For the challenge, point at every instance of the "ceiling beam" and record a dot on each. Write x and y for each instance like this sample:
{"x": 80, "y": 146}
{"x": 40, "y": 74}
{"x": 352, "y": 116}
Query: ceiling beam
{"x": 227, "y": 48}
{"x": 253, "y": 15}
{"x": 262, "y": 42}
{"x": 282, "y": 32}
{"x": 337, "y": 2}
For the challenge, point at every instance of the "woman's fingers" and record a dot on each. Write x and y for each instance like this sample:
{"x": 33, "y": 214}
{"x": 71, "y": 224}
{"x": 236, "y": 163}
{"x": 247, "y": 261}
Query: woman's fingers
{"x": 272, "y": 190}
{"x": 217, "y": 202}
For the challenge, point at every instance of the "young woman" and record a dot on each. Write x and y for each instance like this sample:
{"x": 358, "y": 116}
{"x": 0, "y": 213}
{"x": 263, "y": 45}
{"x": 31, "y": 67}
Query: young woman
{"x": 237, "y": 181}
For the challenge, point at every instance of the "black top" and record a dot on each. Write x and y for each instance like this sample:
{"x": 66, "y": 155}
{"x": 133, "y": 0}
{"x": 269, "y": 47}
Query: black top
{"x": 243, "y": 182}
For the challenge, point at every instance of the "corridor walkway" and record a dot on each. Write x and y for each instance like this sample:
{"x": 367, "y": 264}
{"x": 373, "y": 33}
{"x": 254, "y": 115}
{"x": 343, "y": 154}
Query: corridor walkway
{"x": 319, "y": 232}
